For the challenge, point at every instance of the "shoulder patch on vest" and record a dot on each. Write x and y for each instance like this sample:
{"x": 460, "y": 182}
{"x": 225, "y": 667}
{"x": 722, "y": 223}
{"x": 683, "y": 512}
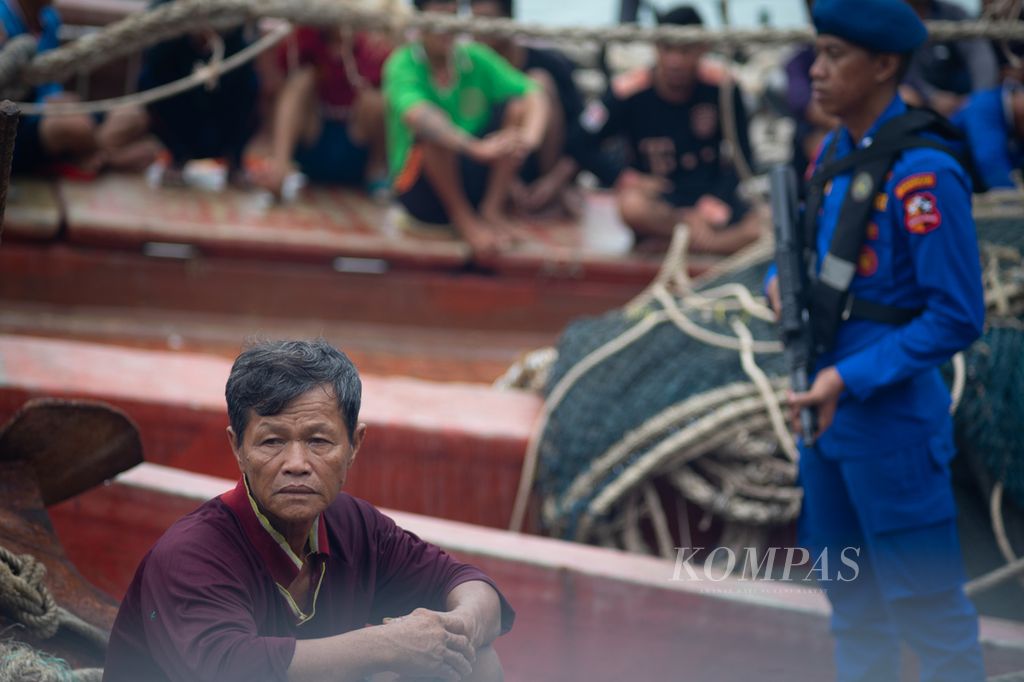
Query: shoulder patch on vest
{"x": 921, "y": 213}
{"x": 914, "y": 183}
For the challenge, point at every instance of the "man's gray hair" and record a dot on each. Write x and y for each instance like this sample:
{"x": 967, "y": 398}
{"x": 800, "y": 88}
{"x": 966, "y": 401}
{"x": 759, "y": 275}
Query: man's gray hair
{"x": 270, "y": 374}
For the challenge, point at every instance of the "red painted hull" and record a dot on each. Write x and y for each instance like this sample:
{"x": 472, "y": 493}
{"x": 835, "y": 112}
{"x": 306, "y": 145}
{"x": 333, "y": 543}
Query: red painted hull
{"x": 449, "y": 450}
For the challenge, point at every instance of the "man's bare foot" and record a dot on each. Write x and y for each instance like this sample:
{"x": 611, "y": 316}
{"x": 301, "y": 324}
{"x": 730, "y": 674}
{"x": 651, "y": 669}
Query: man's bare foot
{"x": 503, "y": 226}
{"x": 483, "y": 238}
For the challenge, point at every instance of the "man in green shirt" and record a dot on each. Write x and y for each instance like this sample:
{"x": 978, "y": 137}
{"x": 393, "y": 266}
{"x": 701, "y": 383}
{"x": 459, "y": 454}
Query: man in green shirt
{"x": 461, "y": 123}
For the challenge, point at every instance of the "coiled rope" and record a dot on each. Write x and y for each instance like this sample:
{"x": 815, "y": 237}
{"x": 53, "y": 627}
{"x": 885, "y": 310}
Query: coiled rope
{"x": 712, "y": 419}
{"x": 25, "y": 599}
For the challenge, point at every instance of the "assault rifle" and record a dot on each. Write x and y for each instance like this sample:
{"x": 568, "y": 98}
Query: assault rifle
{"x": 794, "y": 319}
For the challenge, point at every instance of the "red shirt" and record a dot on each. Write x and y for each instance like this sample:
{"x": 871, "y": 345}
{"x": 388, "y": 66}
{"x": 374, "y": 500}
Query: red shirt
{"x": 208, "y": 602}
{"x": 317, "y": 47}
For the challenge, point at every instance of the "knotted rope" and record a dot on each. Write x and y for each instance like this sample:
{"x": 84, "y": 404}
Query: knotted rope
{"x": 25, "y": 599}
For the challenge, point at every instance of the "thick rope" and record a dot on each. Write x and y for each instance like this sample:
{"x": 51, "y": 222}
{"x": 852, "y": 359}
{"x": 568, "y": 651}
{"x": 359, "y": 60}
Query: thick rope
{"x": 142, "y": 30}
{"x": 764, "y": 387}
{"x": 529, "y": 471}
{"x": 956, "y": 393}
{"x": 995, "y": 578}
{"x": 672, "y": 457}
{"x": 25, "y": 599}
{"x": 998, "y": 526}
{"x": 700, "y": 437}
{"x": 706, "y": 336}
{"x": 205, "y": 75}
{"x": 15, "y": 56}
{"x": 667, "y": 419}
{"x": 672, "y": 272}
{"x": 666, "y": 547}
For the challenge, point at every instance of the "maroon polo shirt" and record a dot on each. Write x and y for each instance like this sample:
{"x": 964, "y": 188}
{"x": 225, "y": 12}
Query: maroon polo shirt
{"x": 209, "y": 601}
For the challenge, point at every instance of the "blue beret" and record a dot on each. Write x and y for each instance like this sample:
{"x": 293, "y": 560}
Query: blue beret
{"x": 877, "y": 25}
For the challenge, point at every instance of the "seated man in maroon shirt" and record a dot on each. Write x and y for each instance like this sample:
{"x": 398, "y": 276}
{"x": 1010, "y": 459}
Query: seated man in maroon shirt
{"x": 286, "y": 577}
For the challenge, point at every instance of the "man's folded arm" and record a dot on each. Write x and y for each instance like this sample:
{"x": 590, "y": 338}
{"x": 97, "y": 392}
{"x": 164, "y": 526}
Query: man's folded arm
{"x": 478, "y": 605}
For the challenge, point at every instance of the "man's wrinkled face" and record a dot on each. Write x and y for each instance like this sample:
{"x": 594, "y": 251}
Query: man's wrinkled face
{"x": 297, "y": 461}
{"x": 842, "y": 75}
{"x": 677, "y": 66}
{"x": 438, "y": 45}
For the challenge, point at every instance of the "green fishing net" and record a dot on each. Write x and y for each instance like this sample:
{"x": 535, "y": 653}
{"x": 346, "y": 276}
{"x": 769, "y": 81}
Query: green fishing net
{"x": 661, "y": 369}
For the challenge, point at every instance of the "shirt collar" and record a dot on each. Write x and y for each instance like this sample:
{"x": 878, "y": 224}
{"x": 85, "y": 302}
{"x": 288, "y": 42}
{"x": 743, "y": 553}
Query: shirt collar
{"x": 895, "y": 108}
{"x": 275, "y": 553}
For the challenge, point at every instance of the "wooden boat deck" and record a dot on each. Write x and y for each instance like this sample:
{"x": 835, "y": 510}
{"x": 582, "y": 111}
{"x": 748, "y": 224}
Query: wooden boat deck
{"x": 584, "y": 614}
{"x": 116, "y": 261}
{"x": 323, "y": 225}
{"x": 34, "y": 210}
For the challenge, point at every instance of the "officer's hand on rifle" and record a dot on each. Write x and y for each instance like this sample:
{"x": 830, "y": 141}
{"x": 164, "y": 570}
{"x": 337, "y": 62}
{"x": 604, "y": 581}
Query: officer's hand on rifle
{"x": 823, "y": 396}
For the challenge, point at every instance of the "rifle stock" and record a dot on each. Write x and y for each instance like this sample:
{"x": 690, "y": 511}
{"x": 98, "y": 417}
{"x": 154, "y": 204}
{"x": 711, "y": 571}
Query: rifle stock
{"x": 794, "y": 322}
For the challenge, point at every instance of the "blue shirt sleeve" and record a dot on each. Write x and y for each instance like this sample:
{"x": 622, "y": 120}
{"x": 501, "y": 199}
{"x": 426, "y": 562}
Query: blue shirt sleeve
{"x": 983, "y": 122}
{"x": 947, "y": 270}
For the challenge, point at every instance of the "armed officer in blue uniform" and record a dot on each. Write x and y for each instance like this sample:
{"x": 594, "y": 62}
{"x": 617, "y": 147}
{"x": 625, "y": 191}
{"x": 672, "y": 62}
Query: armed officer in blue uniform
{"x": 895, "y": 292}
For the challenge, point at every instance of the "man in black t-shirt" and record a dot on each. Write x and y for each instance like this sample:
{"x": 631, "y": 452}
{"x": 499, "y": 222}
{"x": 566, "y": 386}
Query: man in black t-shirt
{"x": 547, "y": 184}
{"x": 678, "y": 170}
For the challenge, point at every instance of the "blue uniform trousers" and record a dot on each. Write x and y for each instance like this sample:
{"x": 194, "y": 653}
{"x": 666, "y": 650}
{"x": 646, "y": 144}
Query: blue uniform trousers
{"x": 896, "y": 510}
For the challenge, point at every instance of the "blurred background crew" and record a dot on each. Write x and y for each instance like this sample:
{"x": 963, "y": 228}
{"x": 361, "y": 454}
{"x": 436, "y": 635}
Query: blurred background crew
{"x": 556, "y": 168}
{"x": 207, "y": 121}
{"x": 678, "y": 170}
{"x": 942, "y": 75}
{"x": 462, "y": 121}
{"x": 328, "y": 118}
{"x": 74, "y": 144}
{"x": 812, "y": 124}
